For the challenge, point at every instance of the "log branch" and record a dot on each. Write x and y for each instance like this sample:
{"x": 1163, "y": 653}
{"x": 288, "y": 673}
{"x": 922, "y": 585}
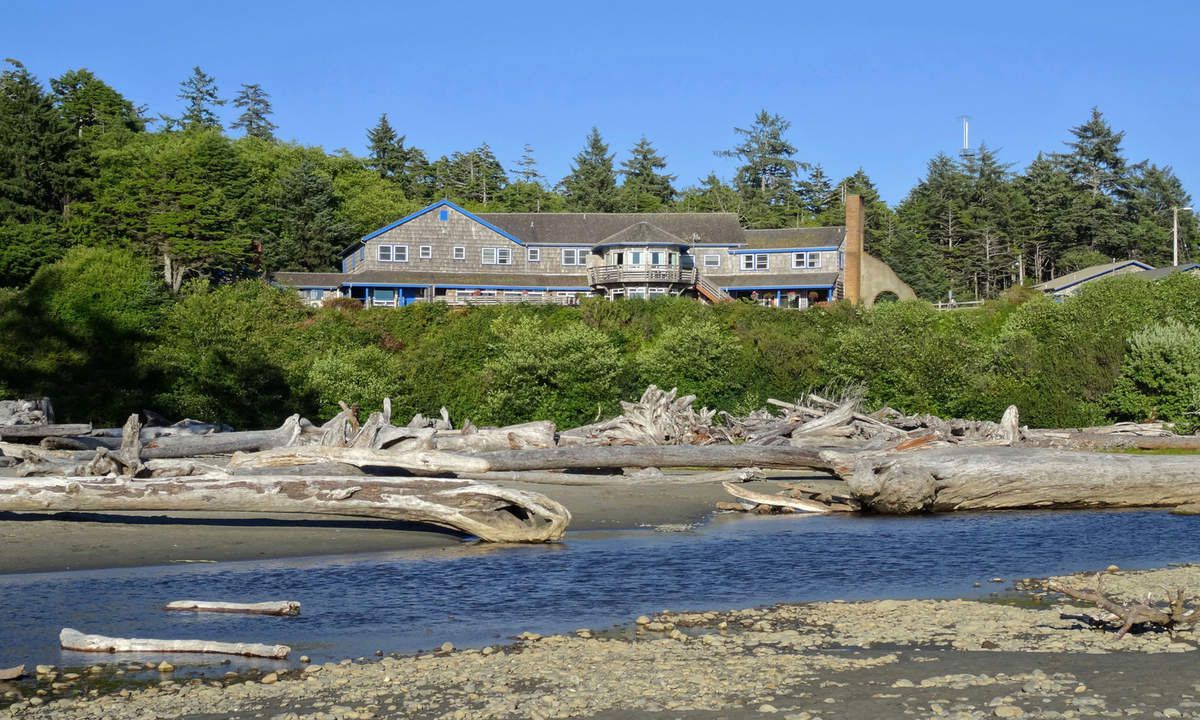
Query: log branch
{"x": 71, "y": 639}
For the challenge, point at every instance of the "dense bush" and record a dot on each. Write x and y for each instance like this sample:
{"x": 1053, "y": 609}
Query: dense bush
{"x": 96, "y": 332}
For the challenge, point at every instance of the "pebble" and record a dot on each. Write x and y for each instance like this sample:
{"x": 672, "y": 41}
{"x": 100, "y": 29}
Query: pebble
{"x": 270, "y": 679}
{"x": 447, "y": 647}
{"x": 165, "y": 667}
{"x": 1008, "y": 711}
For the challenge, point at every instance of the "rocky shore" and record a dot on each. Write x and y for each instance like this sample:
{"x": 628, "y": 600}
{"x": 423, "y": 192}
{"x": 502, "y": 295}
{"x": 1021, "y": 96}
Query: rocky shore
{"x": 948, "y": 658}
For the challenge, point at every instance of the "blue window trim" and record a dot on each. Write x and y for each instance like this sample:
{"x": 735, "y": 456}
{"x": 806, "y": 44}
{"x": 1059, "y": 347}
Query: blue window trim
{"x": 549, "y": 288}
{"x": 774, "y": 251}
{"x": 778, "y": 287}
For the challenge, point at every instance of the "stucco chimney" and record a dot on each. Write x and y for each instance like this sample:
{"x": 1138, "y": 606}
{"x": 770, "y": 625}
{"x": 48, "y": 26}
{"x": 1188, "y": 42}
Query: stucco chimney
{"x": 852, "y": 271}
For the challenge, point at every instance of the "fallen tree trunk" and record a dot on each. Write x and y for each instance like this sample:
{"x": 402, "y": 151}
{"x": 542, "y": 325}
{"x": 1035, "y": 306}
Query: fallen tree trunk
{"x": 542, "y": 477}
{"x": 183, "y": 446}
{"x": 660, "y": 456}
{"x": 489, "y": 512}
{"x": 71, "y": 639}
{"x": 37, "y": 432}
{"x": 429, "y": 461}
{"x": 942, "y": 479}
{"x": 1072, "y": 440}
{"x": 281, "y": 607}
{"x": 1175, "y": 615}
{"x": 759, "y": 498}
{"x": 513, "y": 437}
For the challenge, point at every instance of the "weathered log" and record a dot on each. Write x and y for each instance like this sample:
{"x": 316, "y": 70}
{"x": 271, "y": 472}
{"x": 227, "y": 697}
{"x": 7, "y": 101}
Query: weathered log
{"x": 541, "y": 477}
{"x": 773, "y": 500}
{"x": 37, "y": 432}
{"x": 183, "y": 446}
{"x": 660, "y": 456}
{"x": 489, "y": 512}
{"x": 71, "y": 639}
{"x": 26, "y": 412}
{"x": 1175, "y": 615}
{"x": 427, "y": 461}
{"x": 947, "y": 478}
{"x": 512, "y": 437}
{"x": 1085, "y": 440}
{"x": 280, "y": 607}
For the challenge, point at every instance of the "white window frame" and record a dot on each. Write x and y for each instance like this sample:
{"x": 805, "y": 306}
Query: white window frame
{"x": 755, "y": 261}
{"x": 495, "y": 256}
{"x": 574, "y": 256}
{"x": 384, "y": 253}
{"x": 425, "y": 252}
{"x": 460, "y": 252}
{"x": 806, "y": 260}
{"x": 400, "y": 253}
{"x": 711, "y": 261}
{"x": 534, "y": 254}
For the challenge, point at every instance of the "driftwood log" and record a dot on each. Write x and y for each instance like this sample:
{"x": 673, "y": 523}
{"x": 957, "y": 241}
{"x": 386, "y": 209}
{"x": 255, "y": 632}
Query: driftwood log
{"x": 281, "y": 607}
{"x": 948, "y": 478}
{"x": 490, "y": 513}
{"x": 71, "y": 639}
{"x": 37, "y": 432}
{"x": 639, "y": 478}
{"x": 1173, "y": 616}
{"x": 659, "y": 456}
{"x": 428, "y": 461}
{"x": 773, "y": 500}
{"x": 184, "y": 446}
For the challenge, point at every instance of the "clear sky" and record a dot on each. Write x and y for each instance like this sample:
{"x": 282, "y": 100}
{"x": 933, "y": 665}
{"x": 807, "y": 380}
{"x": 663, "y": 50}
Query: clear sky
{"x": 872, "y": 83}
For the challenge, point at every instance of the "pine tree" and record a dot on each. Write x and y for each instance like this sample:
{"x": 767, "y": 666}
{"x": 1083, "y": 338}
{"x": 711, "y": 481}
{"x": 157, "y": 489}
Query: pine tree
{"x": 816, "y": 194}
{"x": 310, "y": 235}
{"x": 383, "y": 149}
{"x": 1054, "y": 205}
{"x": 645, "y": 188}
{"x": 256, "y": 110}
{"x": 527, "y": 169}
{"x": 88, "y": 104}
{"x": 199, "y": 92}
{"x": 592, "y": 183}
{"x": 766, "y": 179}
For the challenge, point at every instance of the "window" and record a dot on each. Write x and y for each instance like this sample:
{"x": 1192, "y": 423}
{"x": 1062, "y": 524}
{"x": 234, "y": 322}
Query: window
{"x": 425, "y": 252}
{"x": 712, "y": 261}
{"x": 574, "y": 256}
{"x": 806, "y": 260}
{"x": 393, "y": 253}
{"x": 535, "y": 254}
{"x": 496, "y": 256}
{"x": 754, "y": 262}
{"x": 635, "y": 258}
{"x": 385, "y": 253}
{"x": 444, "y": 215}
{"x": 656, "y": 258}
{"x": 460, "y": 253}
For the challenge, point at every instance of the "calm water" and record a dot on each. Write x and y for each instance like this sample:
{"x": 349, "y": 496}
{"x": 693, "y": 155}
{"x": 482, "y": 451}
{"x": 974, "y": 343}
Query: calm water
{"x": 476, "y": 595}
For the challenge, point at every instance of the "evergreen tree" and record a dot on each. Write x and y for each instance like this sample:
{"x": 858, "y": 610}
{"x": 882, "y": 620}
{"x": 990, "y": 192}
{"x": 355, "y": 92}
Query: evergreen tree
{"x": 528, "y": 192}
{"x": 713, "y": 195}
{"x": 1054, "y": 207}
{"x": 592, "y": 183}
{"x": 310, "y": 235}
{"x": 199, "y": 92}
{"x": 384, "y": 149}
{"x": 645, "y": 188}
{"x": 256, "y": 110}
{"x": 766, "y": 179}
{"x": 1096, "y": 162}
{"x": 89, "y": 104}
{"x": 816, "y": 194}
{"x": 527, "y": 168}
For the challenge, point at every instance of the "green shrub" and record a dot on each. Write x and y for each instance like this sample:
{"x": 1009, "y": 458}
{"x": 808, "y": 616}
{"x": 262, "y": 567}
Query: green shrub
{"x": 1160, "y": 376}
{"x": 701, "y": 359}
{"x": 361, "y": 376}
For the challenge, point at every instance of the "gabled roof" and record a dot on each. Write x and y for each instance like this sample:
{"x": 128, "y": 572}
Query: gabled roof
{"x": 592, "y": 228}
{"x": 427, "y": 209}
{"x": 642, "y": 233}
{"x": 795, "y": 238}
{"x": 1094, "y": 272}
{"x": 1162, "y": 272}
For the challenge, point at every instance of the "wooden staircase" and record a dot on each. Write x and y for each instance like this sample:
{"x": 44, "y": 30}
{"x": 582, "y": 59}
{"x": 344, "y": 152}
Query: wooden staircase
{"x": 710, "y": 291}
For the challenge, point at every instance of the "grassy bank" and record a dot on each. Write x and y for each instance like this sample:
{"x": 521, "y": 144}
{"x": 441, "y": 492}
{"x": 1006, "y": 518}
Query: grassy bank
{"x": 97, "y": 333}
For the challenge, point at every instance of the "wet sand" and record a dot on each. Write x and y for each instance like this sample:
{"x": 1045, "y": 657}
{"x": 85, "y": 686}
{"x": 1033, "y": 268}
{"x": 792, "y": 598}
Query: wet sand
{"x": 48, "y": 542}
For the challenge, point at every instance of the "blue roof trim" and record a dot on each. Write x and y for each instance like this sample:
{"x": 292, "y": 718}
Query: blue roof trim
{"x": 439, "y": 204}
{"x": 514, "y": 287}
{"x": 638, "y": 244}
{"x": 384, "y": 285}
{"x": 822, "y": 248}
{"x": 1140, "y": 264}
{"x": 778, "y": 287}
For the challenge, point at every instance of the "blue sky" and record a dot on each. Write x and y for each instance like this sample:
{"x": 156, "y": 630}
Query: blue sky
{"x": 873, "y": 83}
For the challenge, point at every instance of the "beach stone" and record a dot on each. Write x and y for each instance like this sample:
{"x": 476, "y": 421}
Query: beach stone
{"x": 767, "y": 708}
{"x": 305, "y": 659}
{"x": 270, "y": 678}
{"x": 165, "y": 667}
{"x": 642, "y": 620}
{"x": 44, "y": 669}
{"x": 1189, "y": 509}
{"x": 1172, "y": 712}
{"x": 447, "y": 647}
{"x": 903, "y": 682}
{"x": 1008, "y": 711}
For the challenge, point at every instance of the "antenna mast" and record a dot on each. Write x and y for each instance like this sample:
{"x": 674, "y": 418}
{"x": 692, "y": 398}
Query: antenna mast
{"x": 966, "y": 132}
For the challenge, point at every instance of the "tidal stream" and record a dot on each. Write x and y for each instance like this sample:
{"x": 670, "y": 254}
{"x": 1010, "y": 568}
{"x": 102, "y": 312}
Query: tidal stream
{"x": 476, "y": 594}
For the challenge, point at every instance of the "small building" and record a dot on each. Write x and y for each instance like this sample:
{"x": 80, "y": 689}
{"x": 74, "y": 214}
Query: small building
{"x": 446, "y": 253}
{"x": 1069, "y": 284}
{"x": 1167, "y": 271}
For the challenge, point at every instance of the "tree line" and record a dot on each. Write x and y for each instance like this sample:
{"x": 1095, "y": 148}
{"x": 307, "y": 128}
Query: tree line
{"x": 80, "y": 164}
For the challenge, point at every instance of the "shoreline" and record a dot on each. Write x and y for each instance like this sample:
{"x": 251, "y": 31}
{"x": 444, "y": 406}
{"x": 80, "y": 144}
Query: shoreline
{"x": 55, "y": 542}
{"x": 963, "y": 658}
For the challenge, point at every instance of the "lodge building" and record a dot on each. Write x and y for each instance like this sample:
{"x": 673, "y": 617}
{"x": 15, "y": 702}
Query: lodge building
{"x": 446, "y": 253}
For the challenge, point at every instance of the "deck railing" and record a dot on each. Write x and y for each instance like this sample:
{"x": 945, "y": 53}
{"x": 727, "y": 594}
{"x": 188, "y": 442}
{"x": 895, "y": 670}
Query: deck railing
{"x": 512, "y": 299}
{"x": 607, "y": 274}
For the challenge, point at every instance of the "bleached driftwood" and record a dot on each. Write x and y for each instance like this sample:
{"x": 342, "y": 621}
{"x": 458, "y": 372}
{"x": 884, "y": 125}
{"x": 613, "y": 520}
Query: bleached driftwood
{"x": 641, "y": 478}
{"x": 659, "y": 417}
{"x": 26, "y": 412}
{"x": 428, "y": 461}
{"x": 280, "y": 607}
{"x": 39, "y": 431}
{"x": 512, "y": 437}
{"x": 183, "y": 446}
{"x": 12, "y": 673}
{"x": 491, "y": 513}
{"x": 71, "y": 639}
{"x": 1174, "y": 615}
{"x": 945, "y": 478}
{"x": 659, "y": 456}
{"x": 773, "y": 500}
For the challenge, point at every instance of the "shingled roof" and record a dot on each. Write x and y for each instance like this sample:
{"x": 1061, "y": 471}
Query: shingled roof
{"x": 642, "y": 233}
{"x": 594, "y": 228}
{"x": 795, "y": 237}
{"x": 796, "y": 280}
{"x": 402, "y": 277}
{"x": 1094, "y": 272}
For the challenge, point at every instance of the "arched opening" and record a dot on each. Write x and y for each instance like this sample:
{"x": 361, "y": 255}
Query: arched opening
{"x": 887, "y": 296}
